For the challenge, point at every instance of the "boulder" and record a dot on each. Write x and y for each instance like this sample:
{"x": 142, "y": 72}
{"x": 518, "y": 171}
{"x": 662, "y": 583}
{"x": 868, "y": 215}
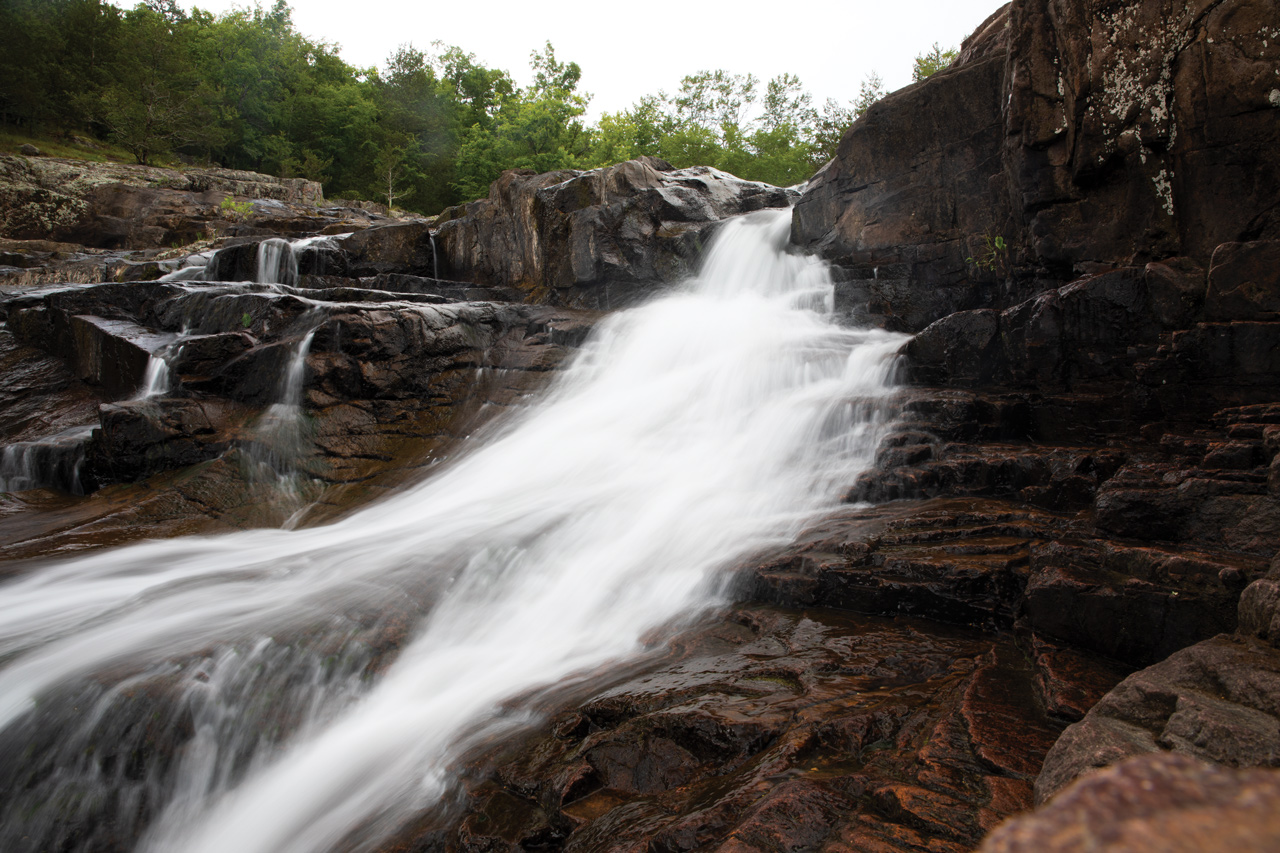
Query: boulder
{"x": 405, "y": 248}
{"x": 598, "y": 239}
{"x": 1155, "y": 802}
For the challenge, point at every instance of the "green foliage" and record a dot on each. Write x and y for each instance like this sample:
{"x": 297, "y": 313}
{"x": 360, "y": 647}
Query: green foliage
{"x": 431, "y": 128}
{"x": 720, "y": 119}
{"x": 931, "y": 62}
{"x": 238, "y": 211}
{"x": 994, "y": 255}
{"x": 538, "y": 128}
{"x": 870, "y": 91}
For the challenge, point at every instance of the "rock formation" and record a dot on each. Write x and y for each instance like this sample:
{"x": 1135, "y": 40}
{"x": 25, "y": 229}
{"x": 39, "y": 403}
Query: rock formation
{"x": 596, "y": 239}
{"x": 1071, "y": 529}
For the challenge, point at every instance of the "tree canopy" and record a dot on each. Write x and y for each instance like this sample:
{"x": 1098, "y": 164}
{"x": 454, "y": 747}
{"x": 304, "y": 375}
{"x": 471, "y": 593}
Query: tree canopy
{"x": 431, "y": 128}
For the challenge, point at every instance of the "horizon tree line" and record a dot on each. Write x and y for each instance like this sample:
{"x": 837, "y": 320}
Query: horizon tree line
{"x": 246, "y": 90}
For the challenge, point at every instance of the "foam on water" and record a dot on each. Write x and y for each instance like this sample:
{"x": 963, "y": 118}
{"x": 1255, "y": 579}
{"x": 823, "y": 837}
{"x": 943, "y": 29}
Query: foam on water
{"x": 689, "y": 433}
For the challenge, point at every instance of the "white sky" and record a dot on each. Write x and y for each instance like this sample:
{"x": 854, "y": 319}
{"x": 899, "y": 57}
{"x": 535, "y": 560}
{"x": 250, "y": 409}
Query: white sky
{"x": 626, "y": 51}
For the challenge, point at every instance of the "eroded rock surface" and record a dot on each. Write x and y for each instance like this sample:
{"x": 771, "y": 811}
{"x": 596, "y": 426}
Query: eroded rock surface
{"x": 774, "y": 730}
{"x": 1165, "y": 802}
{"x": 1068, "y": 138}
{"x": 599, "y": 239}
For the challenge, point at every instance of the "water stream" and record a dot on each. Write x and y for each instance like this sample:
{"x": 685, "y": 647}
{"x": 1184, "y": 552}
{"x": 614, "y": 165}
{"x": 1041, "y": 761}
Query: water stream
{"x": 279, "y": 438}
{"x": 310, "y": 690}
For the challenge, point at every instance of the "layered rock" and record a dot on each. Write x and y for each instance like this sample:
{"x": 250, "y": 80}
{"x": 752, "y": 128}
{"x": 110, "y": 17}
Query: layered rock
{"x": 768, "y": 730}
{"x": 388, "y": 384}
{"x": 1067, "y": 138}
{"x": 599, "y": 239}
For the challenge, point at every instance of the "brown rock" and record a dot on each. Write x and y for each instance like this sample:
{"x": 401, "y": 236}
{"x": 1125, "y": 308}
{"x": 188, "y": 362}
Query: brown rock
{"x": 1218, "y": 700}
{"x": 597, "y": 239}
{"x": 1160, "y": 802}
{"x": 1243, "y": 282}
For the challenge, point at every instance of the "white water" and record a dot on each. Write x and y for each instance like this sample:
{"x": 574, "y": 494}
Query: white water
{"x": 690, "y": 433}
{"x": 276, "y": 262}
{"x": 279, "y": 437}
{"x": 53, "y": 461}
{"x": 158, "y": 380}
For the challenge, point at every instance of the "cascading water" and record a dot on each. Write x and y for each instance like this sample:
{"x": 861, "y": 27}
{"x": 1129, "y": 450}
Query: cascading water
{"x": 52, "y": 462}
{"x": 279, "y": 437}
{"x": 158, "y": 380}
{"x": 315, "y": 686}
{"x": 276, "y": 262}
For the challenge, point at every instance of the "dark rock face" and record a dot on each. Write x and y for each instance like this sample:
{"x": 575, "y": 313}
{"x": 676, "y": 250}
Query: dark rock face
{"x": 913, "y": 186}
{"x": 1124, "y": 121}
{"x": 1084, "y": 136}
{"x": 598, "y": 239}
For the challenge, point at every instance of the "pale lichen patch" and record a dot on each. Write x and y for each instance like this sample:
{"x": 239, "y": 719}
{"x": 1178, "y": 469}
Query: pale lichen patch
{"x": 1164, "y": 191}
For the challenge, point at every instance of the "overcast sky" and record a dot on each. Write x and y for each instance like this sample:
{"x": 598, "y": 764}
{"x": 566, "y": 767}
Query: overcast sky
{"x": 630, "y": 50}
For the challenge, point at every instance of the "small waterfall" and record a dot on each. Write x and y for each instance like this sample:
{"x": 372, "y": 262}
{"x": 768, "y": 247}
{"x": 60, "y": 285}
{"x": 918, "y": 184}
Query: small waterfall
{"x": 46, "y": 463}
{"x": 157, "y": 379}
{"x": 279, "y": 437}
{"x": 277, "y": 263}
{"x": 689, "y": 434}
{"x": 435, "y": 259}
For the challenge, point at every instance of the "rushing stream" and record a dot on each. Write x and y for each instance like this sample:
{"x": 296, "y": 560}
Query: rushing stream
{"x": 282, "y": 691}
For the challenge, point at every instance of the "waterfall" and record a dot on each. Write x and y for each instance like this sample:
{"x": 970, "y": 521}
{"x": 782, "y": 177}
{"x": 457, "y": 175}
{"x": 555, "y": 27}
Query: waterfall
{"x": 277, "y": 263}
{"x": 158, "y": 380}
{"x": 322, "y": 682}
{"x": 51, "y": 462}
{"x": 279, "y": 436}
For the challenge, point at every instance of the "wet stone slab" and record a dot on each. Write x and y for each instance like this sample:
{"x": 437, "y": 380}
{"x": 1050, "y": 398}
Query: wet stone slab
{"x": 772, "y": 729}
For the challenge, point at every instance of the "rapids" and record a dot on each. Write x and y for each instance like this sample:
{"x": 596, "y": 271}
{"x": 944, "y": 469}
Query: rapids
{"x": 310, "y": 690}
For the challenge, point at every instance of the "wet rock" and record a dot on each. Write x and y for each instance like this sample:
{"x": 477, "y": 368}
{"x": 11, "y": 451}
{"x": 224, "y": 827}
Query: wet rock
{"x": 138, "y": 438}
{"x": 1218, "y": 700}
{"x": 777, "y": 730}
{"x": 1242, "y": 282}
{"x": 959, "y": 349}
{"x": 235, "y": 263}
{"x": 599, "y": 239}
{"x": 40, "y": 395}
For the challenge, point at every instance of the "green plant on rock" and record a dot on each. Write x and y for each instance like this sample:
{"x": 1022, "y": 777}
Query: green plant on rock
{"x": 238, "y": 211}
{"x": 994, "y": 255}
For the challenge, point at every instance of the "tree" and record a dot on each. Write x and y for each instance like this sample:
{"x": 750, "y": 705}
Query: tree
{"x": 393, "y": 167}
{"x": 537, "y": 128}
{"x": 931, "y": 62}
{"x": 871, "y": 90}
{"x": 156, "y": 101}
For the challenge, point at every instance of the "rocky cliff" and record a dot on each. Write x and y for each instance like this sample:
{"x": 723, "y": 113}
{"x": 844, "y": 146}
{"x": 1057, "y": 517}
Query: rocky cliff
{"x": 1079, "y": 220}
{"x": 1064, "y": 559}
